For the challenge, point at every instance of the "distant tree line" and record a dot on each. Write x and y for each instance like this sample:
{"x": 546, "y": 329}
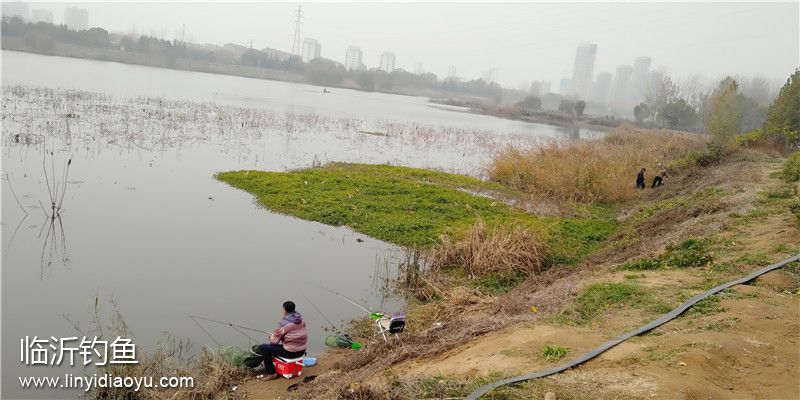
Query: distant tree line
{"x": 45, "y": 36}
{"x": 691, "y": 107}
{"x": 729, "y": 111}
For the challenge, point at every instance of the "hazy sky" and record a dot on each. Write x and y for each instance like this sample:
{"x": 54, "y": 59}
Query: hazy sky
{"x": 526, "y": 41}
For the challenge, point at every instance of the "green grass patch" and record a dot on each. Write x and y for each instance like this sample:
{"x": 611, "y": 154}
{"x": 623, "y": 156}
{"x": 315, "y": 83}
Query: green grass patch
{"x": 441, "y": 387}
{"x": 496, "y": 283}
{"x": 572, "y": 239}
{"x": 781, "y": 248}
{"x": 643, "y": 264}
{"x": 690, "y": 253}
{"x": 634, "y": 276}
{"x": 599, "y": 297}
{"x": 552, "y": 352}
{"x": 721, "y": 324}
{"x": 779, "y": 192}
{"x": 794, "y": 207}
{"x": 649, "y": 210}
{"x": 707, "y": 306}
{"x": 413, "y": 207}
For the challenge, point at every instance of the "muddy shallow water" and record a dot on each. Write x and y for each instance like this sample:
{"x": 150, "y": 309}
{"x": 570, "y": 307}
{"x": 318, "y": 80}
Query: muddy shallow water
{"x": 145, "y": 221}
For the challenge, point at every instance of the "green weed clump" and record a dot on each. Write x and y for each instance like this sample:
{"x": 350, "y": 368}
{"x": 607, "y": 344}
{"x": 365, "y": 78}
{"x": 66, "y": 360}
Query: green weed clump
{"x": 749, "y": 139}
{"x": 712, "y": 154}
{"x": 643, "y": 264}
{"x": 497, "y": 283}
{"x": 441, "y": 387}
{"x": 707, "y": 306}
{"x": 780, "y": 192}
{"x": 795, "y": 209}
{"x": 598, "y": 297}
{"x": 791, "y": 168}
{"x": 690, "y": 253}
{"x": 551, "y": 352}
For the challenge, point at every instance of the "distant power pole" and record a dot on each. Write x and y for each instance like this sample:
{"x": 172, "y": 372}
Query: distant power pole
{"x": 298, "y": 19}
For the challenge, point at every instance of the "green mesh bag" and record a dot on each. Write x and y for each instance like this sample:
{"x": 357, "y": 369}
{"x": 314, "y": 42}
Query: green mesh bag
{"x": 239, "y": 358}
{"x": 340, "y": 340}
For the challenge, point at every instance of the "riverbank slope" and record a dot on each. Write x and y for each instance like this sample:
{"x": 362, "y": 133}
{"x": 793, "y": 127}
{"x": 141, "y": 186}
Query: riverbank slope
{"x": 719, "y": 216}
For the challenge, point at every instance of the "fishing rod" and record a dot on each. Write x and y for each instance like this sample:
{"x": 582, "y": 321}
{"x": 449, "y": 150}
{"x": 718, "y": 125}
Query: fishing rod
{"x": 334, "y": 326}
{"x": 232, "y": 325}
{"x": 237, "y": 328}
{"x": 342, "y": 334}
{"x": 205, "y": 331}
{"x": 351, "y": 301}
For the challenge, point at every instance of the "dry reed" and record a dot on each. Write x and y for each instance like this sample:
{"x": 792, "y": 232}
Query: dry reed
{"x": 505, "y": 250}
{"x": 212, "y": 376}
{"x": 601, "y": 171}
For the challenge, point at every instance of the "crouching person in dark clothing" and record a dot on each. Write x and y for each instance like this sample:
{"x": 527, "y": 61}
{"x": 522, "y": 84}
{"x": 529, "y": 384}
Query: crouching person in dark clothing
{"x": 640, "y": 179}
{"x": 288, "y": 341}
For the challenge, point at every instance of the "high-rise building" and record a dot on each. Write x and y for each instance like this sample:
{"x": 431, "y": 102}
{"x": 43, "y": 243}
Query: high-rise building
{"x": 490, "y": 75}
{"x": 565, "y": 87}
{"x": 41, "y": 15}
{"x": 601, "y": 88}
{"x": 583, "y": 69}
{"x": 352, "y": 59}
{"x": 76, "y": 18}
{"x": 641, "y": 70}
{"x": 451, "y": 72}
{"x": 311, "y": 50}
{"x": 545, "y": 87}
{"x": 387, "y": 61}
{"x": 619, "y": 90}
{"x": 418, "y": 69}
{"x": 15, "y": 9}
{"x": 540, "y": 88}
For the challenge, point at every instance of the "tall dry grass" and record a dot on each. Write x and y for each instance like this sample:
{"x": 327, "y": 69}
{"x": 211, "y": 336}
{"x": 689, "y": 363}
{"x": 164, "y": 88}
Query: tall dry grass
{"x": 213, "y": 376}
{"x": 505, "y": 250}
{"x": 589, "y": 171}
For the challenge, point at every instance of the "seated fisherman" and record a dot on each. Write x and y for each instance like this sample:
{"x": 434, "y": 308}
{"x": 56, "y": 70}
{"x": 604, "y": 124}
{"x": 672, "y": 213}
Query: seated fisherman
{"x": 288, "y": 341}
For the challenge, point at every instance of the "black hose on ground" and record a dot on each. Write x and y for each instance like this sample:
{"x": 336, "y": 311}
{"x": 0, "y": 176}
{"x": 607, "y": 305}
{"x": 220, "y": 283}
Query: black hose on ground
{"x": 625, "y": 336}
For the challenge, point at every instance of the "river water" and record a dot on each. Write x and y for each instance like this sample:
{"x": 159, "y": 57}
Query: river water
{"x": 145, "y": 223}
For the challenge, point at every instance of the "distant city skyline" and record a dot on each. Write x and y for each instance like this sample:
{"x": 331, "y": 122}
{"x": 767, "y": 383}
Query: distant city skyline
{"x": 712, "y": 40}
{"x": 353, "y": 58}
{"x": 583, "y": 69}
{"x": 311, "y": 50}
{"x": 387, "y": 61}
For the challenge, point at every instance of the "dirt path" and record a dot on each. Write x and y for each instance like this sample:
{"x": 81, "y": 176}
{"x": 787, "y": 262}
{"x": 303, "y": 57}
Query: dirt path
{"x": 744, "y": 345}
{"x": 276, "y": 389}
{"x": 749, "y": 350}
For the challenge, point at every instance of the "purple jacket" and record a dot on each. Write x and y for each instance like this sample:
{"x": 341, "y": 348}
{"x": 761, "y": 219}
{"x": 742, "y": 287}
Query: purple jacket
{"x": 291, "y": 333}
